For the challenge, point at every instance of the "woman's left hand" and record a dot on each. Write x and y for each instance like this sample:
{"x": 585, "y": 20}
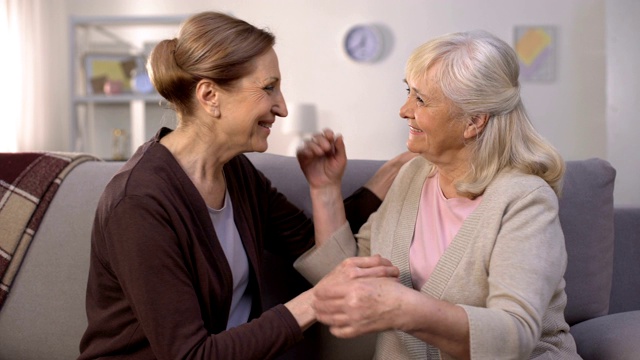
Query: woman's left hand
{"x": 323, "y": 159}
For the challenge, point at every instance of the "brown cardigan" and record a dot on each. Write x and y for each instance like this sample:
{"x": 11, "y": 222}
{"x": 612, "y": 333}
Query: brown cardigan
{"x": 159, "y": 283}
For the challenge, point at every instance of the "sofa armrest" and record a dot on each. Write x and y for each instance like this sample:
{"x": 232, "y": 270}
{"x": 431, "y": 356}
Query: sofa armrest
{"x": 44, "y": 316}
{"x": 609, "y": 337}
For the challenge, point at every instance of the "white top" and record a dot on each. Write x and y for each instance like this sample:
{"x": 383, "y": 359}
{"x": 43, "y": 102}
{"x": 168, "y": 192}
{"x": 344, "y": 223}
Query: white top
{"x": 229, "y": 238}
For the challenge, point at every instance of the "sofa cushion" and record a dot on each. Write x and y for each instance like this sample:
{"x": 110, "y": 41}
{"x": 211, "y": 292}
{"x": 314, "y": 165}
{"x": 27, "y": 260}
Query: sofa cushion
{"x": 609, "y": 337}
{"x": 625, "y": 290}
{"x": 285, "y": 174}
{"x": 586, "y": 215}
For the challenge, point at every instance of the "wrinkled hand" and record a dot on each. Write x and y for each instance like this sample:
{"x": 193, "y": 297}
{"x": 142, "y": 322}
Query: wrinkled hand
{"x": 358, "y": 297}
{"x": 323, "y": 159}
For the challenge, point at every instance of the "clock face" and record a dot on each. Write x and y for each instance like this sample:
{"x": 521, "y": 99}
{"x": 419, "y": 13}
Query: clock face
{"x": 364, "y": 43}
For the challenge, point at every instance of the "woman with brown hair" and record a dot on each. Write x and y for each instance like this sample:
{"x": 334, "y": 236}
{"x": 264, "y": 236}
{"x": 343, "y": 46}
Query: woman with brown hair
{"x": 177, "y": 244}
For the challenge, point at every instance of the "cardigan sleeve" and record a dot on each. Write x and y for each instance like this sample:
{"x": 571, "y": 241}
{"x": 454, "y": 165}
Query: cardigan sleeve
{"x": 526, "y": 268}
{"x": 320, "y": 260}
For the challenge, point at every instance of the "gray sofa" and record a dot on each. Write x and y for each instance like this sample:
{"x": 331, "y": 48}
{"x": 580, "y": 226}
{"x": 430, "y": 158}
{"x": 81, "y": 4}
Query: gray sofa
{"x": 43, "y": 317}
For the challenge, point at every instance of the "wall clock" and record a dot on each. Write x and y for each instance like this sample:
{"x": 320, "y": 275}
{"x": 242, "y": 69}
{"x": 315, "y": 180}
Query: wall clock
{"x": 364, "y": 43}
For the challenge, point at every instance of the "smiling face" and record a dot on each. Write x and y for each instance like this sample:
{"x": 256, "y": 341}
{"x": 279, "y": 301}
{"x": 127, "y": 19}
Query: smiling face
{"x": 433, "y": 130}
{"x": 249, "y": 109}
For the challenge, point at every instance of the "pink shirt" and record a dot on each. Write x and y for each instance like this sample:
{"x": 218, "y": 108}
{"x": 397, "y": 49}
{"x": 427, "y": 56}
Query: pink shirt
{"x": 439, "y": 220}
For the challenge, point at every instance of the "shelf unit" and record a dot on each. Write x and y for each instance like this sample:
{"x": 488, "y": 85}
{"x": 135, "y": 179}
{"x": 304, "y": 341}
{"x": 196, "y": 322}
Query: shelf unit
{"x": 96, "y": 114}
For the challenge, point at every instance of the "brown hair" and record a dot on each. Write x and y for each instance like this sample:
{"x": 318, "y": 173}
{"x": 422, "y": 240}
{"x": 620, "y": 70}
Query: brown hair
{"x": 210, "y": 45}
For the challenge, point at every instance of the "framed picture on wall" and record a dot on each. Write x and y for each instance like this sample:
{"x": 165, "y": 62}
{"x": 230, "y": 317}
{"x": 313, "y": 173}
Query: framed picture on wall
{"x": 108, "y": 73}
{"x": 536, "y": 48}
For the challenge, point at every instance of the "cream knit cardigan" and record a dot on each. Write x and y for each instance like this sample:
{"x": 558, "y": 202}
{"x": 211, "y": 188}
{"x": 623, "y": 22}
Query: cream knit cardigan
{"x": 505, "y": 267}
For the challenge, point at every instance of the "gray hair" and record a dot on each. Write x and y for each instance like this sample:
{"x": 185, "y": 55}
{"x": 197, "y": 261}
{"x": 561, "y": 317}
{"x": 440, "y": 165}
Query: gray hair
{"x": 478, "y": 73}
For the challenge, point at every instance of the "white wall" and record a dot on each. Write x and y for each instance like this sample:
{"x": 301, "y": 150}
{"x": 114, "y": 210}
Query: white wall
{"x": 623, "y": 98}
{"x": 362, "y": 101}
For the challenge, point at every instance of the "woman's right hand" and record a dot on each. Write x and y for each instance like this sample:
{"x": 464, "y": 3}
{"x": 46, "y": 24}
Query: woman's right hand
{"x": 323, "y": 159}
{"x": 359, "y": 296}
{"x": 301, "y": 306}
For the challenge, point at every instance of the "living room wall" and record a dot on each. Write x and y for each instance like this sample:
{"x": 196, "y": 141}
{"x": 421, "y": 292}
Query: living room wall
{"x": 361, "y": 101}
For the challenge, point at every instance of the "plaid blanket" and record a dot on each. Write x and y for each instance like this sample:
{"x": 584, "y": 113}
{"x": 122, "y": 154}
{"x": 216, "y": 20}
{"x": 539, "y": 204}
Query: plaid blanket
{"x": 28, "y": 182}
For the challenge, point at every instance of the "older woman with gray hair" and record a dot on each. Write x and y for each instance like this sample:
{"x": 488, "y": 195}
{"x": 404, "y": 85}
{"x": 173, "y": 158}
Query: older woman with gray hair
{"x": 471, "y": 224}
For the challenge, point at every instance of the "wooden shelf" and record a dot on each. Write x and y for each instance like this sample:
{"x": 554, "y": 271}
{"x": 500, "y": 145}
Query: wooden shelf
{"x": 117, "y": 98}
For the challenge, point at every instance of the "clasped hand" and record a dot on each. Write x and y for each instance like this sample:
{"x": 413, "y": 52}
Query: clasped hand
{"x": 359, "y": 297}
{"x": 323, "y": 159}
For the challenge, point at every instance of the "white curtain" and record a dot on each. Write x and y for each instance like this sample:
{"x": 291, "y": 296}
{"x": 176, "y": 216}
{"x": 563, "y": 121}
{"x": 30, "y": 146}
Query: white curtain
{"x": 11, "y": 87}
{"x": 26, "y": 89}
